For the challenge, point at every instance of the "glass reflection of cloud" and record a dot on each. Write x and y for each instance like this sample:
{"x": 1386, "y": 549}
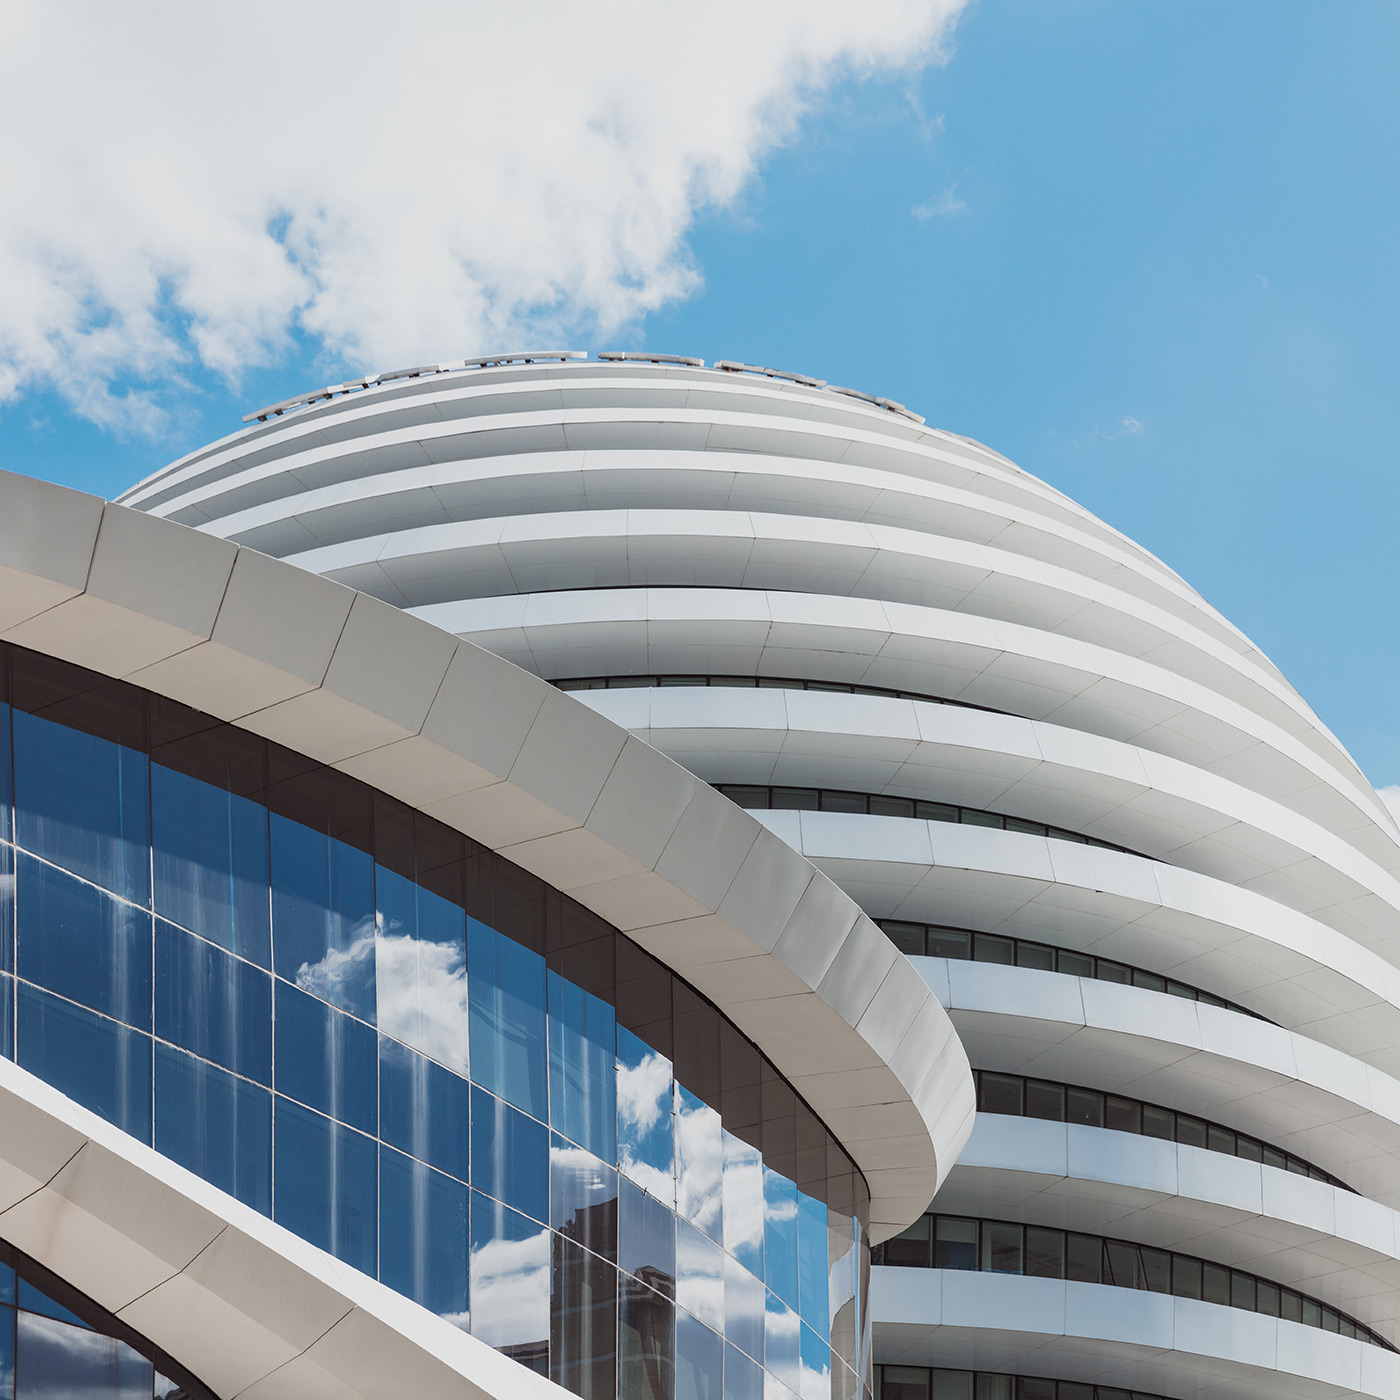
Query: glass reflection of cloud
{"x": 345, "y": 976}
{"x": 644, "y": 1129}
{"x": 743, "y": 1203}
{"x": 699, "y": 1276}
{"x": 782, "y": 1343}
{"x": 816, "y": 1367}
{"x": 510, "y": 1290}
{"x": 699, "y": 1163}
{"x": 422, "y": 996}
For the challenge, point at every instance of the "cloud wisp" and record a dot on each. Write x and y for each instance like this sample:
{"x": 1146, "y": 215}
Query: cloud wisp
{"x": 206, "y": 184}
{"x": 940, "y": 206}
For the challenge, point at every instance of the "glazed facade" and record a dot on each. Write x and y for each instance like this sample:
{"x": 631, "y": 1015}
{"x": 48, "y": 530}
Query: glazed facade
{"x": 414, "y": 1055}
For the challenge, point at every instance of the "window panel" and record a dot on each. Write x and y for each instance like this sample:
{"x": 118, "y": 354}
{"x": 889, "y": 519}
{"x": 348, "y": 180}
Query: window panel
{"x": 216, "y": 1125}
{"x": 1002, "y": 1251}
{"x": 510, "y": 1155}
{"x": 582, "y": 1067}
{"x": 699, "y": 1275}
{"x": 326, "y": 1059}
{"x": 583, "y": 1322}
{"x": 420, "y": 969}
{"x": 782, "y": 1343}
{"x": 743, "y": 1309}
{"x": 583, "y": 1198}
{"x": 812, "y": 1278}
{"x": 83, "y": 944}
{"x": 105, "y": 1066}
{"x": 780, "y": 1237}
{"x": 645, "y": 1132}
{"x": 999, "y": 1093}
{"x": 325, "y": 1186}
{"x": 743, "y": 1380}
{"x": 506, "y": 999}
{"x": 84, "y": 804}
{"x": 815, "y": 1361}
{"x": 423, "y": 1235}
{"x": 743, "y": 1203}
{"x": 7, "y": 909}
{"x": 510, "y": 1282}
{"x": 699, "y": 1163}
{"x": 323, "y": 916}
{"x": 955, "y": 1243}
{"x": 209, "y": 861}
{"x": 646, "y": 1342}
{"x": 213, "y": 1004}
{"x": 423, "y": 1108}
{"x": 55, "y": 1360}
{"x": 1045, "y": 1252}
{"x": 647, "y": 1239}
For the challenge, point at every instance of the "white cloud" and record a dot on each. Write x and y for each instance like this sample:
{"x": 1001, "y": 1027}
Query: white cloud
{"x": 1129, "y": 427}
{"x": 939, "y": 206}
{"x": 190, "y": 185}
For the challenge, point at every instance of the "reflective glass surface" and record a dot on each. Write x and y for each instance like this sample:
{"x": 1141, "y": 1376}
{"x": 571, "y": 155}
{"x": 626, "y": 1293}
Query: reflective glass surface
{"x": 56, "y": 1344}
{"x": 412, "y": 1054}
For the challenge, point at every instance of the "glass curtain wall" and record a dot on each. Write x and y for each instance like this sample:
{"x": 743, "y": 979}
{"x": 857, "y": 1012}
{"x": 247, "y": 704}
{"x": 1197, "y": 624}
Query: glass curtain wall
{"x": 414, "y": 1054}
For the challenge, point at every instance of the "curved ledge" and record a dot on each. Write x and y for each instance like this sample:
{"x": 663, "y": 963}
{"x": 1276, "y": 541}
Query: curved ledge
{"x": 1307, "y": 1234}
{"x": 1004, "y": 666}
{"x": 547, "y": 481}
{"x": 1116, "y": 1336}
{"x": 520, "y": 767}
{"x": 1175, "y": 810}
{"x": 248, "y": 1307}
{"x": 1288, "y": 966}
{"x": 1309, "y": 1099}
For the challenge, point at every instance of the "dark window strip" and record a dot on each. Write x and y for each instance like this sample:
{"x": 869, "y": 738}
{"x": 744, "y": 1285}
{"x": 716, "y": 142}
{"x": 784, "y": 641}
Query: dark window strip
{"x": 941, "y": 1383}
{"x": 762, "y": 683}
{"x": 1007, "y": 1247}
{"x": 1017, "y": 1096}
{"x": 971, "y": 945}
{"x": 765, "y": 797}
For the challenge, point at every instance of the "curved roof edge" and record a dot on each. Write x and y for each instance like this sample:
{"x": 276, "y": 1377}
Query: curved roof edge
{"x": 499, "y": 754}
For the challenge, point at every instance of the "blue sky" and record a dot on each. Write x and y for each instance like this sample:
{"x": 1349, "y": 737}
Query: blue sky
{"x": 1147, "y": 251}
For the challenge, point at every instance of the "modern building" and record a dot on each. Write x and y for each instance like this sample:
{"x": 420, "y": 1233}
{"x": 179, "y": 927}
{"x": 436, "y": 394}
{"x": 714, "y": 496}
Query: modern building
{"x": 404, "y": 1003}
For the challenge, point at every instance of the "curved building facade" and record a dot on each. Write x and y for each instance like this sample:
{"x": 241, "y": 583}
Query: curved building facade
{"x": 1155, "y": 896}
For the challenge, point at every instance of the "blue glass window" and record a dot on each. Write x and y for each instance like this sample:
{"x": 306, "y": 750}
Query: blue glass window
{"x": 213, "y": 1004}
{"x": 510, "y": 1277}
{"x": 32, "y": 1299}
{"x": 54, "y": 1359}
{"x": 324, "y": 1184}
{"x": 6, "y": 785}
{"x": 699, "y": 1275}
{"x": 506, "y": 994}
{"x": 7, "y": 1016}
{"x": 83, "y": 944}
{"x": 209, "y": 858}
{"x": 816, "y": 1366}
{"x": 645, "y": 1133}
{"x": 812, "y": 1272}
{"x": 102, "y": 1064}
{"x": 699, "y": 1163}
{"x": 780, "y": 1236}
{"x": 423, "y": 1108}
{"x": 7, "y": 908}
{"x": 420, "y": 969}
{"x": 326, "y": 1059}
{"x": 699, "y": 1360}
{"x": 510, "y": 1155}
{"x": 647, "y": 1239}
{"x": 646, "y": 1342}
{"x": 216, "y": 1125}
{"x": 583, "y": 1198}
{"x": 782, "y": 1343}
{"x": 583, "y": 1322}
{"x": 323, "y": 916}
{"x": 743, "y": 1380}
{"x": 583, "y": 1067}
{"x": 83, "y": 803}
{"x": 743, "y": 1203}
{"x": 743, "y": 1308}
{"x": 423, "y": 1235}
